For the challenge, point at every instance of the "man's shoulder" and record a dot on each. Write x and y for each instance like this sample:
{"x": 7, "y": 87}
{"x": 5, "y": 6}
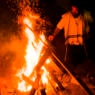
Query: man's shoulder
{"x": 66, "y": 14}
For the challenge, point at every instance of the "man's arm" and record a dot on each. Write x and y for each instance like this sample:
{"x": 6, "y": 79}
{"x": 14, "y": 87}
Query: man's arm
{"x": 56, "y": 31}
{"x": 59, "y": 27}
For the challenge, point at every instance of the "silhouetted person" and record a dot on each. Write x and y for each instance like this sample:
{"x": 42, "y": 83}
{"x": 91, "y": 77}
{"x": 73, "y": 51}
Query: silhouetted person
{"x": 75, "y": 29}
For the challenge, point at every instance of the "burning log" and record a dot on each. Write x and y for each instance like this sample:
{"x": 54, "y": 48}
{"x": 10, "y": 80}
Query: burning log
{"x": 35, "y": 84}
{"x": 48, "y": 52}
{"x": 40, "y": 91}
{"x": 42, "y": 60}
{"x": 81, "y": 84}
{"x": 27, "y": 79}
{"x": 54, "y": 78}
{"x": 33, "y": 91}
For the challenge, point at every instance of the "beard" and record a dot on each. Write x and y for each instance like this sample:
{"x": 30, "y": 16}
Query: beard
{"x": 75, "y": 15}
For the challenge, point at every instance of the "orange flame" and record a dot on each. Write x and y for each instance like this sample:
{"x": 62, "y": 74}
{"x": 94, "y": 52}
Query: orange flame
{"x": 33, "y": 52}
{"x": 23, "y": 86}
{"x": 27, "y": 21}
{"x": 44, "y": 76}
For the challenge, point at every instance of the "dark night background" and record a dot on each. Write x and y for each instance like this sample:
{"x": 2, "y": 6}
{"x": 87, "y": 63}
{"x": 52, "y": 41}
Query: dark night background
{"x": 52, "y": 9}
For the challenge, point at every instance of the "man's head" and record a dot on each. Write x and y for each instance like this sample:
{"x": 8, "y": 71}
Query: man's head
{"x": 75, "y": 9}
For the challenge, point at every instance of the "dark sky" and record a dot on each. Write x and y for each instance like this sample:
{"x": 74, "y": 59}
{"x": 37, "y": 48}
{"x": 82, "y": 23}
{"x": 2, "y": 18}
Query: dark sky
{"x": 87, "y": 4}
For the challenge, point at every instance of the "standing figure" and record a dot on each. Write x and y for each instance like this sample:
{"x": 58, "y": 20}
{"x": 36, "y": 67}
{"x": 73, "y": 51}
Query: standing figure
{"x": 75, "y": 29}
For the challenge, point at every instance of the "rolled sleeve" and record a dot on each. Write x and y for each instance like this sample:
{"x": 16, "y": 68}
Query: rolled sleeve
{"x": 61, "y": 23}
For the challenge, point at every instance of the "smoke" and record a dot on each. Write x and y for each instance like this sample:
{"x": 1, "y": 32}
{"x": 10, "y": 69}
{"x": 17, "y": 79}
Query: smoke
{"x": 12, "y": 52}
{"x": 13, "y": 44}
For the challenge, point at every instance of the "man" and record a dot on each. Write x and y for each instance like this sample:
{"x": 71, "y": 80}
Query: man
{"x": 74, "y": 27}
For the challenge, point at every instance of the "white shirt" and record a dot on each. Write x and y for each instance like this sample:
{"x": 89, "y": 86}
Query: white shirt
{"x": 73, "y": 28}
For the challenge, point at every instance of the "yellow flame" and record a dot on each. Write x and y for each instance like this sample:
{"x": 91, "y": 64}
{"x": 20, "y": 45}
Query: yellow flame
{"x": 33, "y": 51}
{"x": 27, "y": 21}
{"x": 44, "y": 76}
{"x": 48, "y": 61}
{"x": 23, "y": 87}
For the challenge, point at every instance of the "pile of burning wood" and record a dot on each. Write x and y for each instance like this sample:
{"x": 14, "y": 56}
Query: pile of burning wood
{"x": 50, "y": 79}
{"x": 44, "y": 73}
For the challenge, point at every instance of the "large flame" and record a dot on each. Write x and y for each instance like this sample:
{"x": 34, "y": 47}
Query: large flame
{"x": 32, "y": 56}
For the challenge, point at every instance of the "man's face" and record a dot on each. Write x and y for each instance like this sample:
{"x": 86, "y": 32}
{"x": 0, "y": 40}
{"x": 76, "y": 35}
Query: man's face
{"x": 74, "y": 11}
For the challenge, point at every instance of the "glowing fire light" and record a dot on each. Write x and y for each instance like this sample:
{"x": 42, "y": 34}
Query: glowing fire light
{"x": 22, "y": 87}
{"x": 27, "y": 21}
{"x": 48, "y": 61}
{"x": 33, "y": 51}
{"x": 44, "y": 76}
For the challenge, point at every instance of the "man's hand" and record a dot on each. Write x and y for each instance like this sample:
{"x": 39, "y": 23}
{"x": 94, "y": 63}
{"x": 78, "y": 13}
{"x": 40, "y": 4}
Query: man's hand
{"x": 51, "y": 37}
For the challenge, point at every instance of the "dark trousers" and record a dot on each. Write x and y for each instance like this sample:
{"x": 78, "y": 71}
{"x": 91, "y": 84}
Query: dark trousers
{"x": 75, "y": 55}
